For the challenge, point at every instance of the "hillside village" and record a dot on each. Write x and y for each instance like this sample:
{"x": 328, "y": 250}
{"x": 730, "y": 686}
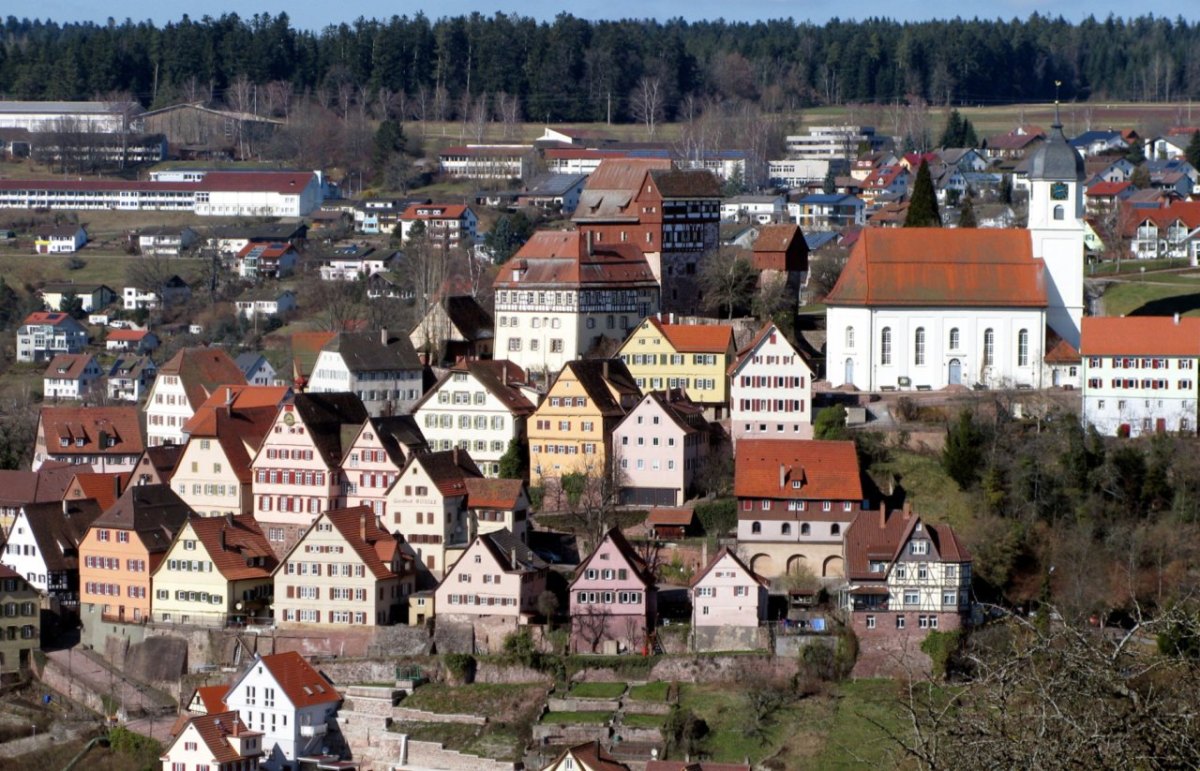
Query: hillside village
{"x": 521, "y": 468}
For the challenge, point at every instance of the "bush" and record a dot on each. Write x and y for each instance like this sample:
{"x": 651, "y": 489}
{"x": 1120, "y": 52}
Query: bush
{"x": 845, "y": 653}
{"x": 75, "y": 263}
{"x": 460, "y": 667}
{"x": 830, "y": 423}
{"x": 818, "y": 661}
{"x": 941, "y": 647}
{"x": 907, "y": 408}
{"x": 717, "y": 517}
{"x": 537, "y": 495}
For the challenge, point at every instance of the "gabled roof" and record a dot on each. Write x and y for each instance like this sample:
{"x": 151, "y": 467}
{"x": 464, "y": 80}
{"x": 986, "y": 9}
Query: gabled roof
{"x": 104, "y": 489}
{"x": 447, "y": 469}
{"x": 686, "y": 183}
{"x": 154, "y": 512}
{"x": 68, "y": 366}
{"x": 746, "y": 353}
{"x": 1059, "y": 351}
{"x": 591, "y": 757}
{"x": 780, "y": 238}
{"x": 1140, "y": 336}
{"x": 212, "y": 697}
{"x": 127, "y": 335}
{"x": 470, "y": 318}
{"x": 281, "y": 182}
{"x": 239, "y": 417}
{"x": 52, "y": 318}
{"x": 303, "y": 684}
{"x": 201, "y": 370}
{"x": 510, "y": 553}
{"x": 627, "y": 552}
{"x": 117, "y": 426}
{"x": 720, "y": 555}
{"x": 770, "y": 468}
{"x": 597, "y": 377}
{"x": 367, "y": 351}
{"x": 879, "y": 537}
{"x": 671, "y": 517}
{"x": 236, "y": 545}
{"x": 306, "y": 347}
{"x": 399, "y": 434}
{"x": 677, "y": 407}
{"x": 942, "y": 267}
{"x": 332, "y": 420}
{"x": 502, "y": 378}
{"x": 374, "y": 545}
{"x": 214, "y": 730}
{"x": 564, "y": 259}
{"x": 131, "y": 365}
{"x": 58, "y": 528}
{"x": 694, "y": 338}
{"x": 435, "y": 211}
{"x": 1107, "y": 188}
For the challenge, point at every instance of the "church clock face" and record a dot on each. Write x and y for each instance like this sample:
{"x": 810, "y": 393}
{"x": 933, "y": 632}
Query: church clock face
{"x": 1058, "y": 191}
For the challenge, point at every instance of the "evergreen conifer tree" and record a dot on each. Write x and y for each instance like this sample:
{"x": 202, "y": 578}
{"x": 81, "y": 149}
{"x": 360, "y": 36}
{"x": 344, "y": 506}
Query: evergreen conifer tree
{"x": 1193, "y": 150}
{"x": 922, "y": 206}
{"x": 966, "y": 218}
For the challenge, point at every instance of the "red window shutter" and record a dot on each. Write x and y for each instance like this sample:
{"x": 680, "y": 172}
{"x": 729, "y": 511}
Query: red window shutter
{"x": 291, "y": 592}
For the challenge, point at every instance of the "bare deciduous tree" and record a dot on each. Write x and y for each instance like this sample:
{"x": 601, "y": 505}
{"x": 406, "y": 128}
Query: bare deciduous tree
{"x": 509, "y": 109}
{"x": 647, "y": 103}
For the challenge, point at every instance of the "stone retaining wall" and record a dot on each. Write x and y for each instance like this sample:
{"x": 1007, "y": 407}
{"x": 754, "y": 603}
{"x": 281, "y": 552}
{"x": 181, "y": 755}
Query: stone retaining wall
{"x": 427, "y": 755}
{"x": 646, "y": 707}
{"x": 570, "y": 734}
{"x": 422, "y": 716}
{"x": 575, "y": 704}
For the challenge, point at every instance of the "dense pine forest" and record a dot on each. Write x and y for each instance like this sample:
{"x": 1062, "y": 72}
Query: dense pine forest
{"x": 577, "y": 70}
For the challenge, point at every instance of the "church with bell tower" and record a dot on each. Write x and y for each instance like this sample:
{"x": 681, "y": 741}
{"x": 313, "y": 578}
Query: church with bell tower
{"x": 932, "y": 308}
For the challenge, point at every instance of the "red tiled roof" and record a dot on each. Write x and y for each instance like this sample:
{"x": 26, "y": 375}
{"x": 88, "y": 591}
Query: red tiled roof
{"x": 213, "y": 729}
{"x": 493, "y": 493}
{"x": 282, "y": 182}
{"x": 53, "y": 318}
{"x": 104, "y": 489}
{"x": 71, "y": 364}
{"x": 942, "y": 267}
{"x": 1107, "y": 188}
{"x": 591, "y": 756}
{"x": 232, "y": 543}
{"x": 671, "y": 517}
{"x": 624, "y": 173}
{"x": 213, "y": 697}
{"x": 434, "y": 211}
{"x": 130, "y": 335}
{"x": 119, "y": 425}
{"x": 769, "y": 468}
{"x": 562, "y": 258}
{"x": 201, "y": 371}
{"x": 1060, "y": 351}
{"x": 377, "y": 548}
{"x": 874, "y": 536}
{"x": 777, "y": 238}
{"x": 1187, "y": 212}
{"x": 695, "y": 338}
{"x": 1140, "y": 336}
{"x": 303, "y": 684}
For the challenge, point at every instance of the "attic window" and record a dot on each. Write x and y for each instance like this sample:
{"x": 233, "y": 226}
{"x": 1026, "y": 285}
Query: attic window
{"x": 308, "y": 690}
{"x": 64, "y": 442}
{"x": 79, "y": 442}
{"x": 796, "y": 484}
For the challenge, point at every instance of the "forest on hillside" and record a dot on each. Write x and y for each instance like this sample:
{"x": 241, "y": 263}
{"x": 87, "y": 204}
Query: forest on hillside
{"x": 572, "y": 69}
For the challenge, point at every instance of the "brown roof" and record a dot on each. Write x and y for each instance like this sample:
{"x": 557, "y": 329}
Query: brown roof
{"x": 377, "y": 549}
{"x": 555, "y": 259}
{"x": 127, "y": 335}
{"x": 448, "y": 470}
{"x": 118, "y": 426}
{"x": 592, "y": 757}
{"x": 695, "y": 338}
{"x": 332, "y": 420}
{"x": 944, "y": 267}
{"x": 68, "y": 366}
{"x": 686, "y": 183}
{"x": 18, "y": 487}
{"x": 875, "y": 536}
{"x": 1140, "y": 336}
{"x": 770, "y": 468}
{"x": 777, "y": 238}
{"x": 485, "y": 493}
{"x": 101, "y": 488}
{"x": 213, "y": 729}
{"x": 201, "y": 371}
{"x": 599, "y": 378}
{"x": 154, "y": 512}
{"x": 58, "y": 528}
{"x": 239, "y": 417}
{"x": 469, "y": 317}
{"x": 282, "y": 182}
{"x": 635, "y": 562}
{"x": 671, "y": 517}
{"x": 679, "y": 409}
{"x": 163, "y": 458}
{"x": 434, "y": 211}
{"x": 236, "y": 545}
{"x": 367, "y": 351}
{"x": 1059, "y": 351}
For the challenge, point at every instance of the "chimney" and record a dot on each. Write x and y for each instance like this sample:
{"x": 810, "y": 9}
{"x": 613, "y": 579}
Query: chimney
{"x": 1176, "y": 319}
{"x": 456, "y": 455}
{"x": 504, "y": 374}
{"x": 512, "y": 557}
{"x": 383, "y": 336}
{"x": 362, "y": 527}
{"x": 66, "y": 508}
{"x": 907, "y": 509}
{"x": 882, "y": 516}
{"x": 588, "y": 240}
{"x": 782, "y": 475}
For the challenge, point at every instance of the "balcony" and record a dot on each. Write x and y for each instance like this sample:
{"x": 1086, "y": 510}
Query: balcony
{"x": 309, "y": 731}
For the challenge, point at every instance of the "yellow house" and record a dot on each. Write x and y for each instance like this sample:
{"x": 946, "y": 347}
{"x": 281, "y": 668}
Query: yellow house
{"x": 694, "y": 357}
{"x": 571, "y": 430}
{"x": 218, "y": 569}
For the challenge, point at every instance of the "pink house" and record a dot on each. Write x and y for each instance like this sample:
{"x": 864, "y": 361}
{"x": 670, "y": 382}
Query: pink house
{"x": 660, "y": 446}
{"x": 614, "y": 600}
{"x": 729, "y": 602}
{"x": 496, "y": 576}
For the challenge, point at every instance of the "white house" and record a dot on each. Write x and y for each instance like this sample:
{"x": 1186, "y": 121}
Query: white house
{"x": 258, "y": 193}
{"x": 762, "y": 209}
{"x": 134, "y": 340}
{"x": 1139, "y": 374}
{"x": 382, "y": 369}
{"x": 65, "y": 239}
{"x": 563, "y": 292}
{"x": 479, "y": 406}
{"x": 219, "y": 740}
{"x": 46, "y": 334}
{"x": 102, "y": 117}
{"x": 130, "y": 377}
{"x": 770, "y": 389}
{"x": 266, "y": 303}
{"x": 174, "y": 290}
{"x": 349, "y": 263}
{"x": 289, "y": 702}
{"x": 256, "y": 368}
{"x": 70, "y": 376}
{"x": 165, "y": 241}
{"x": 182, "y": 385}
{"x": 43, "y": 546}
{"x": 446, "y": 225}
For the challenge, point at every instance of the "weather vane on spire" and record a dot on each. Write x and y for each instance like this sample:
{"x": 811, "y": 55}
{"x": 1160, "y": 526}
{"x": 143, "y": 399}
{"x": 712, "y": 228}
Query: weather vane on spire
{"x": 1057, "y": 85}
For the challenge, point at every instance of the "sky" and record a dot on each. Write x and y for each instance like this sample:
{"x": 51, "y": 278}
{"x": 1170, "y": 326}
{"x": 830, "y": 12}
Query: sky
{"x": 316, "y": 14}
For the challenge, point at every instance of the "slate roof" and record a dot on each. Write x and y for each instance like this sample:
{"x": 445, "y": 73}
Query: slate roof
{"x": 88, "y": 423}
{"x": 58, "y": 528}
{"x": 154, "y": 512}
{"x": 236, "y": 545}
{"x": 400, "y": 435}
{"x": 512, "y": 555}
{"x": 596, "y": 376}
{"x": 1057, "y": 159}
{"x": 366, "y": 352}
{"x": 470, "y": 318}
{"x": 201, "y": 370}
{"x": 768, "y": 469}
{"x": 942, "y": 267}
{"x": 332, "y": 420}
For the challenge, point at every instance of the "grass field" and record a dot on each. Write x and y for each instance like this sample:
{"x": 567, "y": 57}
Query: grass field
{"x": 656, "y": 691}
{"x": 1153, "y": 297}
{"x": 109, "y": 268}
{"x": 572, "y": 718}
{"x": 507, "y": 703}
{"x": 597, "y": 690}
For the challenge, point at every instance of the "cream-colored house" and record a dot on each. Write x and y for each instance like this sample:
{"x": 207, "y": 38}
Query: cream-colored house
{"x": 346, "y": 570}
{"x": 217, "y": 570}
{"x": 428, "y": 506}
{"x": 729, "y": 602}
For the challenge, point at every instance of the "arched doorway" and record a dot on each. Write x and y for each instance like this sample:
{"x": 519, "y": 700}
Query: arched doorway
{"x": 849, "y": 373}
{"x": 764, "y": 565}
{"x": 955, "y": 372}
{"x": 832, "y": 567}
{"x": 796, "y": 564}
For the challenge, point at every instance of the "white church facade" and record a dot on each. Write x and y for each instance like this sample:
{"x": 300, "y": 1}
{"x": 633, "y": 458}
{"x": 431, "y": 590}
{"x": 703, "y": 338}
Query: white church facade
{"x": 926, "y": 308}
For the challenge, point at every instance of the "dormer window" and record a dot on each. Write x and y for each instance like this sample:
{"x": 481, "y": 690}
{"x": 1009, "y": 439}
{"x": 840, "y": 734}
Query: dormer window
{"x": 79, "y": 442}
{"x": 795, "y": 484}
